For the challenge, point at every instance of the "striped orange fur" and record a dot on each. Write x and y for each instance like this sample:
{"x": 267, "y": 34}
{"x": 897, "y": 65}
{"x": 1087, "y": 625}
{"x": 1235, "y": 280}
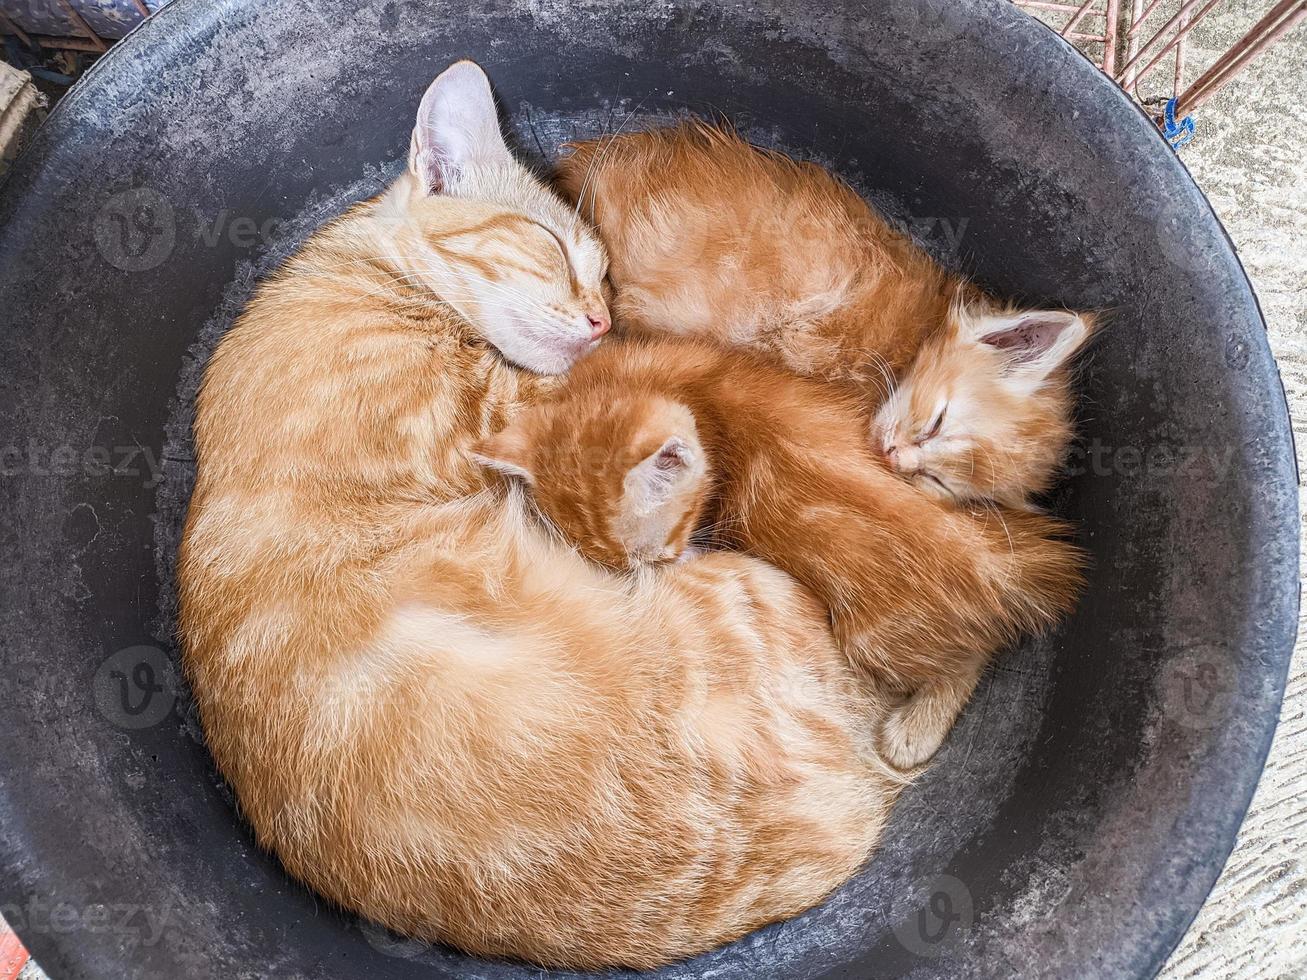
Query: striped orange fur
{"x": 713, "y": 238}
{"x": 647, "y": 441}
{"x": 968, "y": 399}
{"x": 432, "y": 712}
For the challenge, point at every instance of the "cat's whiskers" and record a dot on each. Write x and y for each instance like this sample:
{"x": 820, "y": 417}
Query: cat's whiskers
{"x": 989, "y": 458}
{"x": 367, "y": 260}
{"x": 1008, "y": 571}
{"x": 887, "y": 380}
{"x": 711, "y": 533}
{"x": 1012, "y": 550}
{"x": 598, "y": 158}
{"x": 503, "y": 289}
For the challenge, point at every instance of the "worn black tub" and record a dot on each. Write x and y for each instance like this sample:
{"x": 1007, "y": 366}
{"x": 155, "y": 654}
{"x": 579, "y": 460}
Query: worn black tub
{"x": 1084, "y": 806}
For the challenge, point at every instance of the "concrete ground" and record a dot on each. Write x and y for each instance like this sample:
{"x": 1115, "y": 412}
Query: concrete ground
{"x": 1249, "y": 156}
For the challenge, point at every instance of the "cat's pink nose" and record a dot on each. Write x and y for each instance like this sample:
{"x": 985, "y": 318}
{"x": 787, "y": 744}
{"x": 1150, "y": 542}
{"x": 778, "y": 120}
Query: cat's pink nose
{"x": 903, "y": 460}
{"x": 599, "y": 325}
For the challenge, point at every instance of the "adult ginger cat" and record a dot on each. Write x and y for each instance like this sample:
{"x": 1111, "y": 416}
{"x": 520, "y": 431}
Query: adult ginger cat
{"x": 434, "y": 713}
{"x": 651, "y": 445}
{"x": 713, "y": 238}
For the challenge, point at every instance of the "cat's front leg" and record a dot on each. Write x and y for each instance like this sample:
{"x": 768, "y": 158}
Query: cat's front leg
{"x": 914, "y": 730}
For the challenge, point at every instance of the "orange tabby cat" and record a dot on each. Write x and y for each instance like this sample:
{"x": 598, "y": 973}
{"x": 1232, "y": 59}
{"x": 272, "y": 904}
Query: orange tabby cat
{"x": 647, "y": 442}
{"x": 435, "y": 714}
{"x": 714, "y": 238}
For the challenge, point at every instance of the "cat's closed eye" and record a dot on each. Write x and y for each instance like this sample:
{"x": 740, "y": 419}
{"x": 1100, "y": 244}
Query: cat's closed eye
{"x": 933, "y": 430}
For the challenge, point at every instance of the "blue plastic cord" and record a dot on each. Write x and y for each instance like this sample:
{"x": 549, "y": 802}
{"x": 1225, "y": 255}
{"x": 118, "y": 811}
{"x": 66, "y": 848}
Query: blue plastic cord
{"x": 1177, "y": 134}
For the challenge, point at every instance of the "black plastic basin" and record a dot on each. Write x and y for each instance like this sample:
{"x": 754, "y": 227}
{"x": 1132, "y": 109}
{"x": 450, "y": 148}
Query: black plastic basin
{"x": 1084, "y": 806}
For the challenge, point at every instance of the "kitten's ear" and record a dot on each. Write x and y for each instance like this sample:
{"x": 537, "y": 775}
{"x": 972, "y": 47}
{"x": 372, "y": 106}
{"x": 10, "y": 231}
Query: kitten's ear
{"x": 651, "y": 482}
{"x": 1035, "y": 342}
{"x": 457, "y": 125}
{"x": 506, "y": 452}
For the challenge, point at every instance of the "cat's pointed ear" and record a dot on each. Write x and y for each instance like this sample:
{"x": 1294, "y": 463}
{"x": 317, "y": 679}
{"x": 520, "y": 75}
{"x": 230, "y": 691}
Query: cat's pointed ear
{"x": 651, "y": 482}
{"x": 1035, "y": 342}
{"x": 506, "y": 452}
{"x": 457, "y": 126}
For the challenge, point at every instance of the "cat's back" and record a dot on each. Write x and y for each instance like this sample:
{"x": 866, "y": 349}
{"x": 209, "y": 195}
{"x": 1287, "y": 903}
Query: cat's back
{"x": 343, "y": 377}
{"x": 701, "y": 225}
{"x": 711, "y": 236}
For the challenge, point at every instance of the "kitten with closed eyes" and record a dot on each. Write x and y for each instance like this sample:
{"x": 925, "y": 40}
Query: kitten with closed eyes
{"x": 650, "y": 446}
{"x": 713, "y": 238}
{"x": 985, "y": 410}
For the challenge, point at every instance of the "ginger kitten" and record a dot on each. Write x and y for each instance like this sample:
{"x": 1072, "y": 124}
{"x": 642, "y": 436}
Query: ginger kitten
{"x": 647, "y": 444}
{"x": 713, "y": 238}
{"x": 433, "y": 713}
{"x": 985, "y": 411}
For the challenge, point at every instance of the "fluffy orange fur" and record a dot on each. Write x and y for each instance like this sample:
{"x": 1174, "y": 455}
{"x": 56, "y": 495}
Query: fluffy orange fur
{"x": 646, "y": 441}
{"x": 433, "y": 712}
{"x": 711, "y": 237}
{"x": 985, "y": 412}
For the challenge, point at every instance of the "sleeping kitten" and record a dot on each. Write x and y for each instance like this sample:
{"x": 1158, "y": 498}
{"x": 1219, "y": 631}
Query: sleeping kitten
{"x": 647, "y": 443}
{"x": 713, "y": 238}
{"x": 710, "y": 237}
{"x": 984, "y": 412}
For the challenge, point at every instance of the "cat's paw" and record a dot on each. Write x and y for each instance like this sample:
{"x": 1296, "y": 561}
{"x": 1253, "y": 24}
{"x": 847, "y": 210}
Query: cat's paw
{"x": 908, "y": 740}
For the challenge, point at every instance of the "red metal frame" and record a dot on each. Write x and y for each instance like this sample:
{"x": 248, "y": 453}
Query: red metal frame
{"x": 1146, "y": 46}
